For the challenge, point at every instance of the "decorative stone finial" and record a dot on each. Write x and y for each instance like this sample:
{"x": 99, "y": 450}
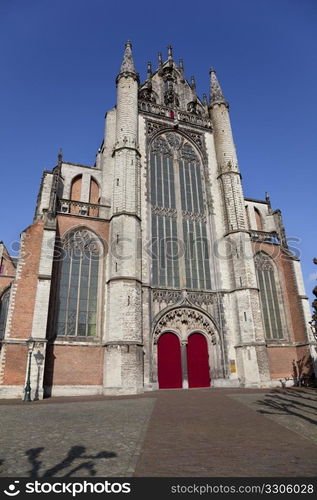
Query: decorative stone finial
{"x": 181, "y": 65}
{"x": 149, "y": 69}
{"x": 193, "y": 84}
{"x": 216, "y": 95}
{"x": 205, "y": 101}
{"x": 268, "y": 199}
{"x": 127, "y": 65}
{"x": 60, "y": 157}
{"x": 170, "y": 52}
{"x": 160, "y": 60}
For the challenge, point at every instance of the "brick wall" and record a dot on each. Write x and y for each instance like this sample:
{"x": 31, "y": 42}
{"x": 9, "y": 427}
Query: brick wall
{"x": 281, "y": 361}
{"x": 23, "y": 294}
{"x": 74, "y": 365}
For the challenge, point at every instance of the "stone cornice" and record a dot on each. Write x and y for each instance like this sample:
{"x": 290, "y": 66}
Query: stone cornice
{"x": 126, "y": 147}
{"x": 128, "y": 74}
{"x": 123, "y": 212}
{"x": 124, "y": 278}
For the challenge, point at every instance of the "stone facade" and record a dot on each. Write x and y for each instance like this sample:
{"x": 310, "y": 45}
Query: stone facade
{"x": 231, "y": 296}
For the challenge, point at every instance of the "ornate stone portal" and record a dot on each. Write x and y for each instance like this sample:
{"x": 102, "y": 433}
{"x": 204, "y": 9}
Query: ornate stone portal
{"x": 184, "y": 319}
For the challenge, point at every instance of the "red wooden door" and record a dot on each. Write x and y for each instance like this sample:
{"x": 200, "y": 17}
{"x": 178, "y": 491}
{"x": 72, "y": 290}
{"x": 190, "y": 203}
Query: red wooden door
{"x": 169, "y": 362}
{"x": 197, "y": 361}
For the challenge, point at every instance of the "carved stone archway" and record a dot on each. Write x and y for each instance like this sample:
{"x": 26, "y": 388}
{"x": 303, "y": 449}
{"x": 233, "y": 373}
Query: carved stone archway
{"x": 183, "y": 321}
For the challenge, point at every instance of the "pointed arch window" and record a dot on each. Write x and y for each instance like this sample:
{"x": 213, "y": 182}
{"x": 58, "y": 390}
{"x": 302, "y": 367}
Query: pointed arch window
{"x": 179, "y": 227}
{"x": 269, "y": 296}
{"x": 79, "y": 273}
{"x": 75, "y": 193}
{"x": 94, "y": 197}
{"x": 258, "y": 219}
{"x": 4, "y": 306}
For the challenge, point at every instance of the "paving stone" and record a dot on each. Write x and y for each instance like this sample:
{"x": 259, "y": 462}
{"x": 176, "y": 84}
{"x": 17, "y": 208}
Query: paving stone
{"x": 96, "y": 438}
{"x": 167, "y": 433}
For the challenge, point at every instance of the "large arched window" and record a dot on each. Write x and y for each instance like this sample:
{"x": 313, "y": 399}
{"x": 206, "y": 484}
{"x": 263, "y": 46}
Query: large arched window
{"x": 180, "y": 255}
{"x": 4, "y": 305}
{"x": 78, "y": 285}
{"x": 269, "y": 296}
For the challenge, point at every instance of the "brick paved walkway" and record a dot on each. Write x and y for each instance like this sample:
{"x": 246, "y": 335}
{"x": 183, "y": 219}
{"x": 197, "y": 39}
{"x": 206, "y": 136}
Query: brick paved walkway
{"x": 208, "y": 433}
{"x": 175, "y": 433}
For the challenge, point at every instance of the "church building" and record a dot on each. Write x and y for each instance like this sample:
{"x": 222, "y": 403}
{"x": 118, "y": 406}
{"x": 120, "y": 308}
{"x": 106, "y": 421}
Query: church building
{"x": 150, "y": 269}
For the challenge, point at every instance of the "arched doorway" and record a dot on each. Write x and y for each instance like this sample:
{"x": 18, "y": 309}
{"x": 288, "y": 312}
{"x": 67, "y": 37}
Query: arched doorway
{"x": 169, "y": 362}
{"x": 198, "y": 361}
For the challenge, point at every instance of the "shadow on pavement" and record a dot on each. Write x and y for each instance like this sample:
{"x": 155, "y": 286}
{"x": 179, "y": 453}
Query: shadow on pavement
{"x": 87, "y": 462}
{"x": 282, "y": 403}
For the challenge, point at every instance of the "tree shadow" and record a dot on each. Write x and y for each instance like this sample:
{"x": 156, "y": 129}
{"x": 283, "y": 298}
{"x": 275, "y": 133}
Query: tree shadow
{"x": 298, "y": 393}
{"x": 277, "y": 406}
{"x": 295, "y": 403}
{"x": 75, "y": 453}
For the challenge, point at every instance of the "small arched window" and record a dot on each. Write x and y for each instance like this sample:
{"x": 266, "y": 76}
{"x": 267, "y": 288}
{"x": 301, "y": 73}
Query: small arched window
{"x": 75, "y": 193}
{"x": 80, "y": 269}
{"x": 269, "y": 296}
{"x": 258, "y": 220}
{"x": 4, "y": 305}
{"x": 94, "y": 198}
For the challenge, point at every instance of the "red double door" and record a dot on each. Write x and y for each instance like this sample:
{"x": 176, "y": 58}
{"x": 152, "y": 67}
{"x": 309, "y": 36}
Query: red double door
{"x": 170, "y": 361}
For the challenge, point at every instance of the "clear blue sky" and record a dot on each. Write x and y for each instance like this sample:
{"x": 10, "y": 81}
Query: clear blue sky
{"x": 59, "y": 60}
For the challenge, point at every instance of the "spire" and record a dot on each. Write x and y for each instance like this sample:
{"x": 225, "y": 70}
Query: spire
{"x": 216, "y": 95}
{"x": 149, "y": 70}
{"x": 127, "y": 65}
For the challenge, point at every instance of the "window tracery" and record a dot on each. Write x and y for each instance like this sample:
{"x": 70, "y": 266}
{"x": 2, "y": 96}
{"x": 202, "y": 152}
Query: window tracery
{"x": 179, "y": 231}
{"x": 78, "y": 285}
{"x": 269, "y": 296}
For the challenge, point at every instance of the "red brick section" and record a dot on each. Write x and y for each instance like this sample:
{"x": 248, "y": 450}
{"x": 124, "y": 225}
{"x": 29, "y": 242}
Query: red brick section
{"x": 15, "y": 359}
{"x": 26, "y": 284}
{"x": 15, "y": 367}
{"x": 65, "y": 223}
{"x": 205, "y": 433}
{"x": 281, "y": 361}
{"x": 74, "y": 365}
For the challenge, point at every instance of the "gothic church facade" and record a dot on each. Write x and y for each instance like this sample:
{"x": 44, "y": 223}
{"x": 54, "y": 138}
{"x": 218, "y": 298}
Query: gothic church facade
{"x": 150, "y": 269}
